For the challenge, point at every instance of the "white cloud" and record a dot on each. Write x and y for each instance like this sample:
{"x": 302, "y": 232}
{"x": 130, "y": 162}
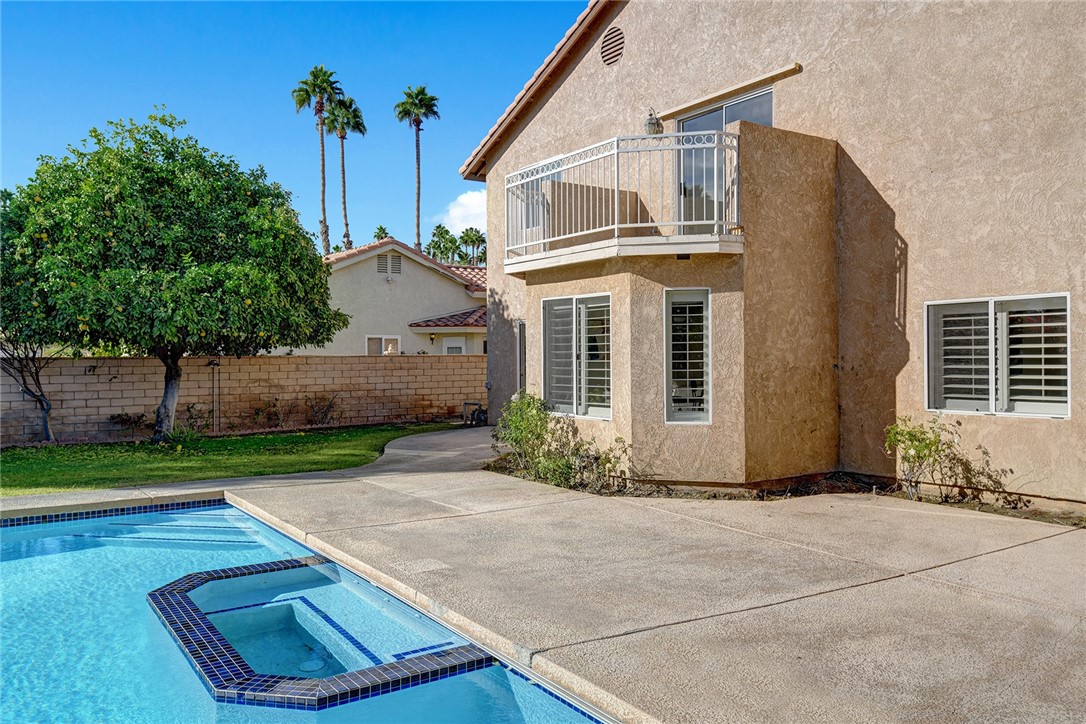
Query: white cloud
{"x": 469, "y": 209}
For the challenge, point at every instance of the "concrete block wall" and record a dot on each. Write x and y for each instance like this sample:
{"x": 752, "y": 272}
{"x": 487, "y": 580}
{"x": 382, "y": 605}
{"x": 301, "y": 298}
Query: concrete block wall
{"x": 249, "y": 393}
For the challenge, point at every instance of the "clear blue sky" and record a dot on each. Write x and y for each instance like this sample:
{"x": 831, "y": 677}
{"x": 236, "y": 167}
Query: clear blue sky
{"x": 229, "y": 68}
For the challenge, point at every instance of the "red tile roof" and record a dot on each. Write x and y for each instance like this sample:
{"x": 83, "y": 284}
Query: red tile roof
{"x": 477, "y": 274}
{"x": 468, "y": 318}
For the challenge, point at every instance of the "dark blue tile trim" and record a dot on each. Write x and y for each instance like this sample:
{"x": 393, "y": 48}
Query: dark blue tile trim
{"x": 137, "y": 538}
{"x": 553, "y": 695}
{"x": 347, "y": 635}
{"x": 231, "y": 680}
{"x": 435, "y": 647}
{"x": 15, "y": 521}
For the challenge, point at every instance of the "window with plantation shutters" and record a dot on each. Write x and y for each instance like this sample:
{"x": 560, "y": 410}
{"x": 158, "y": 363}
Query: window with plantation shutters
{"x": 686, "y": 320}
{"x": 577, "y": 355}
{"x": 594, "y": 357}
{"x": 1001, "y": 355}
{"x": 1031, "y": 367}
{"x": 558, "y": 354}
{"x": 960, "y": 352}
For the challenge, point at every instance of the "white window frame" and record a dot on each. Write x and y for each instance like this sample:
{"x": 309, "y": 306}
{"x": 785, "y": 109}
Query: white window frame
{"x": 992, "y": 302}
{"x": 384, "y": 344}
{"x": 708, "y": 414}
{"x": 461, "y": 342}
{"x": 574, "y": 299}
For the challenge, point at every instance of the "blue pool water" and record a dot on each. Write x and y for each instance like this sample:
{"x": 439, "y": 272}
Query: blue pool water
{"x": 79, "y": 642}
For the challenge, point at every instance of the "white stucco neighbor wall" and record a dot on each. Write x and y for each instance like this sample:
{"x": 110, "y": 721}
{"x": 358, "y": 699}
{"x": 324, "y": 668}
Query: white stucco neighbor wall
{"x": 385, "y": 304}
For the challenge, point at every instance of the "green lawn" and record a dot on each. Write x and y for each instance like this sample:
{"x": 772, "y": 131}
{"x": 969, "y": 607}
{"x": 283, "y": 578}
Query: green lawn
{"x": 58, "y": 468}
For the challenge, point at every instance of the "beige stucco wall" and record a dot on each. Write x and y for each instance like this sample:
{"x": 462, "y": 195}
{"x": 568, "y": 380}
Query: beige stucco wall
{"x": 787, "y": 182}
{"x": 961, "y": 131}
{"x": 385, "y": 308}
{"x": 688, "y": 451}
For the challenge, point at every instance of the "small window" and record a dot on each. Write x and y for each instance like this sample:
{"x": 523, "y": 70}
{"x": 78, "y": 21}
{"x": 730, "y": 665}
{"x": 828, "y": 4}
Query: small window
{"x": 1002, "y": 355}
{"x": 577, "y": 355}
{"x": 389, "y": 264}
{"x": 453, "y": 345}
{"x": 377, "y": 346}
{"x": 686, "y": 334}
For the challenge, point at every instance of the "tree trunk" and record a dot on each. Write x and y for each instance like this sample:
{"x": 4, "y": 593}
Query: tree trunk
{"x": 47, "y": 432}
{"x": 324, "y": 213}
{"x": 343, "y": 185}
{"x": 164, "y": 413}
{"x": 418, "y": 187}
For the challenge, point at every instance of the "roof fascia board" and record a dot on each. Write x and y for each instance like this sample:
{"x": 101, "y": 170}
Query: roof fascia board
{"x": 474, "y": 168}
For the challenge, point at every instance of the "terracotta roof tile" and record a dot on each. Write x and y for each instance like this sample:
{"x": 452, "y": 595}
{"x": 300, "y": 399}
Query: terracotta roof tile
{"x": 476, "y": 274}
{"x": 467, "y": 318}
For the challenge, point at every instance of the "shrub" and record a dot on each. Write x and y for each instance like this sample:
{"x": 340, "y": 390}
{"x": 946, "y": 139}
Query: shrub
{"x": 549, "y": 448}
{"x": 322, "y": 410}
{"x": 931, "y": 453}
{"x": 131, "y": 421}
{"x": 523, "y": 427}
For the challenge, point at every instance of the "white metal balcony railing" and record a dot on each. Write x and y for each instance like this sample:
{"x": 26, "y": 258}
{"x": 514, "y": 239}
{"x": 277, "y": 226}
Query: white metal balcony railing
{"x": 668, "y": 185}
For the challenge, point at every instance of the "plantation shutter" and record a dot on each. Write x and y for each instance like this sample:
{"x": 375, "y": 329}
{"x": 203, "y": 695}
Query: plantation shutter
{"x": 382, "y": 263}
{"x": 558, "y": 364}
{"x": 396, "y": 263}
{"x": 687, "y": 355}
{"x": 960, "y": 356}
{"x": 594, "y": 356}
{"x": 1031, "y": 369}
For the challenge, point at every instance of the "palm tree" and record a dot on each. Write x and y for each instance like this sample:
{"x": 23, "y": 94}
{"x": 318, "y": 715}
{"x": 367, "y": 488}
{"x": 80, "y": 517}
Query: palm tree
{"x": 380, "y": 233}
{"x": 344, "y": 116}
{"x": 473, "y": 238}
{"x": 316, "y": 89}
{"x": 443, "y": 244}
{"x": 417, "y": 106}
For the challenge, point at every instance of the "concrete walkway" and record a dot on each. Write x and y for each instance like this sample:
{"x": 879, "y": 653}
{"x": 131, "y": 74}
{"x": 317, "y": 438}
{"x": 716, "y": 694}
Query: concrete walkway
{"x": 829, "y": 608}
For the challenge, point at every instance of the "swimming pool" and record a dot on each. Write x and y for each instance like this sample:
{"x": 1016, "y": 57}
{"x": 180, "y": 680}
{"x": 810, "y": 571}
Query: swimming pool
{"x": 80, "y": 641}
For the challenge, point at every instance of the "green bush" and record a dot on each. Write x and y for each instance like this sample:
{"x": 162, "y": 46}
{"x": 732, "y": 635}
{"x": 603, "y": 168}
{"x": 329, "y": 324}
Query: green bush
{"x": 523, "y": 427}
{"x": 931, "y": 453}
{"x": 549, "y": 448}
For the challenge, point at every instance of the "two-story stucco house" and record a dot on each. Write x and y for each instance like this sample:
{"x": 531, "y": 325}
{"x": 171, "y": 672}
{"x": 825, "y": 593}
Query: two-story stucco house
{"x": 836, "y": 214}
{"x": 402, "y": 301}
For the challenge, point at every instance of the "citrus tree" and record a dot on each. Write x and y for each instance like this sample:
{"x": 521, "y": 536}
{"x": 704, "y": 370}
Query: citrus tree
{"x": 29, "y": 339}
{"x": 142, "y": 239}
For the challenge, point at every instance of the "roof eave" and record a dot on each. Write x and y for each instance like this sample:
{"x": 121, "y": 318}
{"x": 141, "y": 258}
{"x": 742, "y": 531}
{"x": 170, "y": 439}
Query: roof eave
{"x": 474, "y": 169}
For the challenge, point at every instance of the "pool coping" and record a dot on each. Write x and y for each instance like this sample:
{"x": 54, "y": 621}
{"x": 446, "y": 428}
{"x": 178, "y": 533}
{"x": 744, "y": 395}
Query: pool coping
{"x": 580, "y": 694}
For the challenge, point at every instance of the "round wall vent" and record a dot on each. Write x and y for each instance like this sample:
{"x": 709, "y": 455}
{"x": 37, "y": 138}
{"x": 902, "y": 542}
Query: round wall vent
{"x": 611, "y": 47}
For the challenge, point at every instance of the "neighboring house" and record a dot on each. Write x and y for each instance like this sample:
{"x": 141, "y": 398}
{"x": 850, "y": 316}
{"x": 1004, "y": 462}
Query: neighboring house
{"x": 848, "y": 212}
{"x": 402, "y": 301}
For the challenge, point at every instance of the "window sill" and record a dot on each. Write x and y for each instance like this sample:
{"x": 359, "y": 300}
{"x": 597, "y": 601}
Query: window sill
{"x": 581, "y": 417}
{"x": 1027, "y": 415}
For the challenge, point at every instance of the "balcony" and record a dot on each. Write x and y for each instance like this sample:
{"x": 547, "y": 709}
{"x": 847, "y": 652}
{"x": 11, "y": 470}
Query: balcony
{"x": 675, "y": 193}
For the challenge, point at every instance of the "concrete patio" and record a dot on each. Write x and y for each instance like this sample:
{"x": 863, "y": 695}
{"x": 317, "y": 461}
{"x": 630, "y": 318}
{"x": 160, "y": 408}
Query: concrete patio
{"x": 830, "y": 608}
